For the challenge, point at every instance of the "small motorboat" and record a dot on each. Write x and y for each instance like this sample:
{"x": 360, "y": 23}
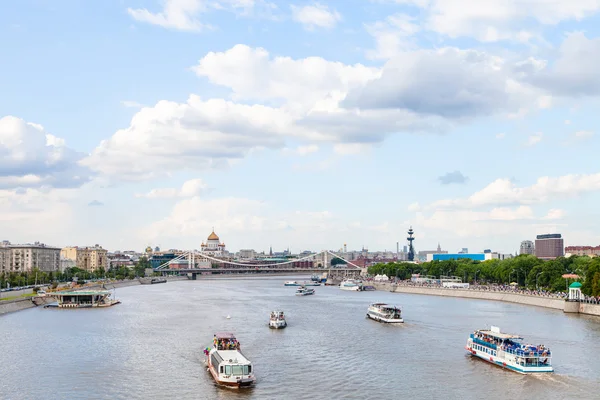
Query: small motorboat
{"x": 304, "y": 291}
{"x": 277, "y": 320}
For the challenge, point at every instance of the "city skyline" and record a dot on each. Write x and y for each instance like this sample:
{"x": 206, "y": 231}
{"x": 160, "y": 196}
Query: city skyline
{"x": 305, "y": 125}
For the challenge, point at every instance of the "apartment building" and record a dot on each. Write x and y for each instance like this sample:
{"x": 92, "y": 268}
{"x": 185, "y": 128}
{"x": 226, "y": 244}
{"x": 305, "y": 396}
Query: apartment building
{"x": 86, "y": 258}
{"x": 26, "y": 257}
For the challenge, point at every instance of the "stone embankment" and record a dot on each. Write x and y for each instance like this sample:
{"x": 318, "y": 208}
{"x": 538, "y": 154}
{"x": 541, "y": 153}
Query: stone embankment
{"x": 531, "y": 300}
{"x": 8, "y": 306}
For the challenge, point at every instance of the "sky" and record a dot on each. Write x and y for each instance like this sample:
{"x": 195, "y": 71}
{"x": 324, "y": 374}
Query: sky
{"x": 299, "y": 124}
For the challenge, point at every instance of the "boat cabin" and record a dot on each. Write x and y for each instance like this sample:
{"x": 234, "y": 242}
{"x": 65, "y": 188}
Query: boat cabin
{"x": 84, "y": 299}
{"x": 277, "y": 316}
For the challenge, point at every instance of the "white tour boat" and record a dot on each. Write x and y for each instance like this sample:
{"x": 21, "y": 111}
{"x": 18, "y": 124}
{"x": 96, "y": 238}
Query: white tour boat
{"x": 227, "y": 364}
{"x": 277, "y": 320}
{"x": 303, "y": 291}
{"x": 382, "y": 312}
{"x": 350, "y": 284}
{"x": 292, "y": 283}
{"x": 507, "y": 351}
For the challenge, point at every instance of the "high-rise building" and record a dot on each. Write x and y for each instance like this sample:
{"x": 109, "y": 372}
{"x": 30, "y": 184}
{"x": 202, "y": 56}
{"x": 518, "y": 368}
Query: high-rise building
{"x": 26, "y": 257}
{"x": 549, "y": 246}
{"x": 86, "y": 258}
{"x": 527, "y": 247}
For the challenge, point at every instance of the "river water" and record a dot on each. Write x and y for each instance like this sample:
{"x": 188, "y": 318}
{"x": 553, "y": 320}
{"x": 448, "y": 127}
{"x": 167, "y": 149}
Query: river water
{"x": 150, "y": 346}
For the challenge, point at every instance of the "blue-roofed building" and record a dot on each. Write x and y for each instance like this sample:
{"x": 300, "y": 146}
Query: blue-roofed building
{"x": 444, "y": 257}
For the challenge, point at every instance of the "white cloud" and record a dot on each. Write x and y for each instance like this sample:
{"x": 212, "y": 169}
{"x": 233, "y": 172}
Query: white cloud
{"x": 495, "y": 20}
{"x": 195, "y": 135}
{"x": 183, "y": 14}
{"x": 31, "y": 157}
{"x": 500, "y": 136}
{"x": 392, "y": 35}
{"x": 176, "y": 14}
{"x": 567, "y": 122}
{"x": 506, "y": 192}
{"x": 534, "y": 139}
{"x": 447, "y": 82}
{"x": 316, "y": 16}
{"x": 302, "y": 150}
{"x": 190, "y": 188}
{"x": 252, "y": 74}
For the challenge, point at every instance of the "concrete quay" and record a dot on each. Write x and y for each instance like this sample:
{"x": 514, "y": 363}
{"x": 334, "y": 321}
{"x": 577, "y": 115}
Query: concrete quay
{"x": 538, "y": 301}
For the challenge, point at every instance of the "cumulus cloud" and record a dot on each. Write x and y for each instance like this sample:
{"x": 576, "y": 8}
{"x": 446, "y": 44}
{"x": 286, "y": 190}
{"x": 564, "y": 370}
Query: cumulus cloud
{"x": 453, "y": 177}
{"x": 195, "y": 135}
{"x": 498, "y": 19}
{"x": 316, "y": 16}
{"x": 31, "y": 157}
{"x": 506, "y": 192}
{"x": 448, "y": 82}
{"x": 392, "y": 35}
{"x": 191, "y": 188}
{"x": 575, "y": 71}
{"x": 302, "y": 150}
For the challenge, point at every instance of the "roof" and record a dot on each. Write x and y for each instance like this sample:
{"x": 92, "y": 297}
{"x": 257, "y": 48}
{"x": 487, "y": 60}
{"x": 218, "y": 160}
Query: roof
{"x": 81, "y": 293}
{"x": 500, "y": 335}
{"x": 213, "y": 236}
{"x": 225, "y": 335}
{"x": 234, "y": 356}
{"x": 575, "y": 285}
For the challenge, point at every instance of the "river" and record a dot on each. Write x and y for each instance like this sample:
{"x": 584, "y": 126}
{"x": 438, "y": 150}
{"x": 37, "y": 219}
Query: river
{"x": 150, "y": 346}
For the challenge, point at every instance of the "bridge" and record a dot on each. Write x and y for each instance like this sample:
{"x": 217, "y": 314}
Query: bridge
{"x": 223, "y": 266}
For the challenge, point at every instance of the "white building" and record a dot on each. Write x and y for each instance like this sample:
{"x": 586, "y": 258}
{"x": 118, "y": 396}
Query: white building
{"x": 213, "y": 246}
{"x": 247, "y": 254}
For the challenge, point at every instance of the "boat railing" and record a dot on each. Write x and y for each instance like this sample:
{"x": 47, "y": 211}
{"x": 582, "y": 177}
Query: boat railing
{"x": 484, "y": 343}
{"x": 545, "y": 353}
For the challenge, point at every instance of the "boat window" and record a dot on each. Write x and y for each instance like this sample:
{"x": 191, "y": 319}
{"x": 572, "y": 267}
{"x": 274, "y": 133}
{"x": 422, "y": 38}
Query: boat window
{"x": 238, "y": 370}
{"x": 249, "y": 369}
{"x": 221, "y": 369}
{"x": 246, "y": 369}
{"x": 228, "y": 370}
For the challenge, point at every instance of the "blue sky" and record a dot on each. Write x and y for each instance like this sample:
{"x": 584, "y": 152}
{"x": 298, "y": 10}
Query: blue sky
{"x": 304, "y": 124}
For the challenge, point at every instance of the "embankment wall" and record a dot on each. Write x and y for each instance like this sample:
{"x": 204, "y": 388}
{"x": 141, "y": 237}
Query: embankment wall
{"x": 557, "y": 304}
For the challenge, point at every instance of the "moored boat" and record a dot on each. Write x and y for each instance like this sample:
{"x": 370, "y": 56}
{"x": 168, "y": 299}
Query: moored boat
{"x": 292, "y": 283}
{"x": 508, "y": 351}
{"x": 82, "y": 299}
{"x": 382, "y": 312}
{"x": 303, "y": 291}
{"x": 277, "y": 320}
{"x": 350, "y": 284}
{"x": 226, "y": 363}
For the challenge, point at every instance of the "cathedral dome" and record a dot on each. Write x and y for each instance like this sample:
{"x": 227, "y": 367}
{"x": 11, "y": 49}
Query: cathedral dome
{"x": 213, "y": 236}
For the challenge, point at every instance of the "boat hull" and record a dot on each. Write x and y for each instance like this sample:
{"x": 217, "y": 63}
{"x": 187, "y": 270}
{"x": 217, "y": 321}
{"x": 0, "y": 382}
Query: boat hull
{"x": 277, "y": 325}
{"x": 350, "y": 288}
{"x": 499, "y": 362}
{"x": 238, "y": 384}
{"x": 385, "y": 320}
{"x": 305, "y": 294}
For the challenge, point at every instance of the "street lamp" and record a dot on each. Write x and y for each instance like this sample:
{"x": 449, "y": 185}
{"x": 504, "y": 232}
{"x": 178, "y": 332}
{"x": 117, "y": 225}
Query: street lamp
{"x": 476, "y": 275}
{"x": 536, "y": 280}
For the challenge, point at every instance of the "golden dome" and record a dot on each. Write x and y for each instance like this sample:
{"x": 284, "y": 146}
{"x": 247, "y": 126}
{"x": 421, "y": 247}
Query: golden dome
{"x": 213, "y": 236}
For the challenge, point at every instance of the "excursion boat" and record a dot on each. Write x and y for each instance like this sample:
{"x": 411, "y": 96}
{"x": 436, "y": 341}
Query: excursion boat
{"x": 367, "y": 288}
{"x": 507, "y": 351}
{"x": 382, "y": 312}
{"x": 277, "y": 320}
{"x": 227, "y": 364}
{"x": 311, "y": 284}
{"x": 292, "y": 283}
{"x": 303, "y": 291}
{"x": 317, "y": 278}
{"x": 82, "y": 299}
{"x": 350, "y": 284}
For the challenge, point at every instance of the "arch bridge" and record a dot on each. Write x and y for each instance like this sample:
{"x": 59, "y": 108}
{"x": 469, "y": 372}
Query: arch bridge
{"x": 219, "y": 266}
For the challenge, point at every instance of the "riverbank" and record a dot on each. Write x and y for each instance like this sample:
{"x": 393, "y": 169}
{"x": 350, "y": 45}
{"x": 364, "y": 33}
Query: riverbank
{"x": 538, "y": 301}
{"x": 9, "y": 306}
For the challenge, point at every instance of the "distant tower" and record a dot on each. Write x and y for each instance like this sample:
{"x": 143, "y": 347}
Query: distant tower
{"x": 411, "y": 249}
{"x": 439, "y": 249}
{"x": 270, "y": 250}
{"x": 345, "y": 251}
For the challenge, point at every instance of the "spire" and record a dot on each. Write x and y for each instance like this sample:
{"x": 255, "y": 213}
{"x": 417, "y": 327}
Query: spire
{"x": 439, "y": 247}
{"x": 270, "y": 250}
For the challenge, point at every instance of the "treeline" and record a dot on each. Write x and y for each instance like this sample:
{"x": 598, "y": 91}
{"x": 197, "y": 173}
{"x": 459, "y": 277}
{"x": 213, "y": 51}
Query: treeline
{"x": 17, "y": 279}
{"x": 526, "y": 270}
